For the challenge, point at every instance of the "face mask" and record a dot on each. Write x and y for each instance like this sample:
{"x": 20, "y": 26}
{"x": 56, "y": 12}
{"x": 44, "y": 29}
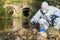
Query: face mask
{"x": 44, "y": 11}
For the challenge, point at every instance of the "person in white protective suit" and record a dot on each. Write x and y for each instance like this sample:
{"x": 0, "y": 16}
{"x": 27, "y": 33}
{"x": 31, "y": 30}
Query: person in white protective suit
{"x": 47, "y": 16}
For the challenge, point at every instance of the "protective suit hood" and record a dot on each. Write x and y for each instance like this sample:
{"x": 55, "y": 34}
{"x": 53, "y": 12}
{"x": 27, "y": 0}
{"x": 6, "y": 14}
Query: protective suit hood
{"x": 44, "y": 5}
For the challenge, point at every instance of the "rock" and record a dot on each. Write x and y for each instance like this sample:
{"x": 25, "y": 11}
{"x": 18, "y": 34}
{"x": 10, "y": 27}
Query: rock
{"x": 35, "y": 31}
{"x": 18, "y": 38}
{"x": 39, "y": 37}
{"x": 22, "y": 31}
{"x": 53, "y": 33}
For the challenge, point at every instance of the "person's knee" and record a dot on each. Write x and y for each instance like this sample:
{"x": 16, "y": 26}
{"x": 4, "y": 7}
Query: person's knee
{"x": 41, "y": 21}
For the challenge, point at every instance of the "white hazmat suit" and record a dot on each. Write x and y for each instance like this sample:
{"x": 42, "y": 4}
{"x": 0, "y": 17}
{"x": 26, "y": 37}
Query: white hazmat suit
{"x": 47, "y": 18}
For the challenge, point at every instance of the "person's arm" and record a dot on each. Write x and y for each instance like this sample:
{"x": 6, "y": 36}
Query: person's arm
{"x": 36, "y": 17}
{"x": 57, "y": 12}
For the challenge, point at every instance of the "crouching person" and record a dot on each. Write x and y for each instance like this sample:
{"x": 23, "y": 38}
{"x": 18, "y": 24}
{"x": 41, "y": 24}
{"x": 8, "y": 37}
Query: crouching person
{"x": 46, "y": 16}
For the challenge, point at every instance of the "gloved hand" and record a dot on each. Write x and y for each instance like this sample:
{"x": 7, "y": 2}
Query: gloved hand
{"x": 34, "y": 21}
{"x": 54, "y": 16}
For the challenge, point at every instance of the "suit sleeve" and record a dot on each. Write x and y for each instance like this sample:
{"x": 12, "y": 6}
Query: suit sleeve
{"x": 57, "y": 12}
{"x": 36, "y": 17}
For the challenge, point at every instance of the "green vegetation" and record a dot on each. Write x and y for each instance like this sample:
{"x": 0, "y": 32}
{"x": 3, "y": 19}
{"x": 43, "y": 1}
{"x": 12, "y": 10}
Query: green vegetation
{"x": 2, "y": 13}
{"x": 5, "y": 13}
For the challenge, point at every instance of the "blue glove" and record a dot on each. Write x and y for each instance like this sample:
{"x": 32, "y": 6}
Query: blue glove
{"x": 54, "y": 16}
